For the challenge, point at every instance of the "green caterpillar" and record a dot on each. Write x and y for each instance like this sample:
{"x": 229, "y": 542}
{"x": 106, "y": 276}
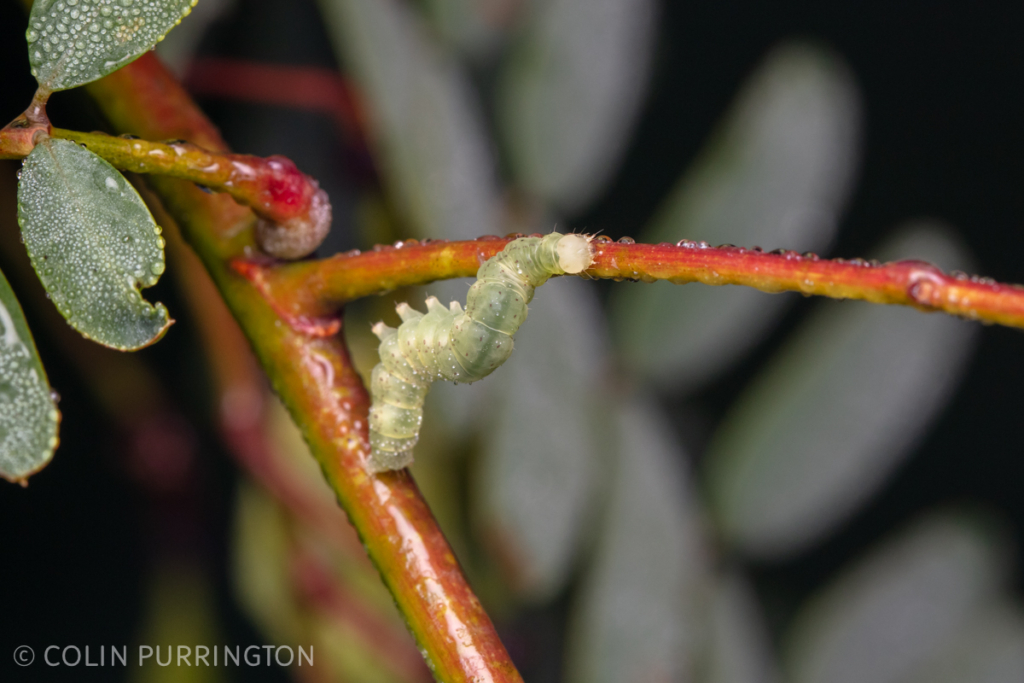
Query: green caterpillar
{"x": 456, "y": 345}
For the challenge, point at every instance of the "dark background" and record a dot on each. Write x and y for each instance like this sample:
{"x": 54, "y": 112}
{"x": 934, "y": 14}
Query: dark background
{"x": 944, "y": 137}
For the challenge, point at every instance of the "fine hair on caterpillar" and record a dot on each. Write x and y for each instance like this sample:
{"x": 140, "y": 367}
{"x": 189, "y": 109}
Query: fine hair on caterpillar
{"x": 459, "y": 345}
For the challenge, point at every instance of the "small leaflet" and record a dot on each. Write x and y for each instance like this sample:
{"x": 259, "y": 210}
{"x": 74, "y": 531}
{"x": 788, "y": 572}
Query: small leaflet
{"x": 639, "y": 614}
{"x": 72, "y": 42}
{"x": 28, "y": 414}
{"x": 570, "y": 91}
{"x": 904, "y": 609}
{"x": 431, "y": 138}
{"x": 93, "y": 244}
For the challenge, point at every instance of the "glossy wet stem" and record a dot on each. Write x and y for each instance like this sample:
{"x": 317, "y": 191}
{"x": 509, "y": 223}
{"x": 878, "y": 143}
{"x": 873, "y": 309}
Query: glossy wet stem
{"x": 315, "y": 379}
{"x": 296, "y": 213}
{"x": 273, "y": 187}
{"x": 309, "y": 294}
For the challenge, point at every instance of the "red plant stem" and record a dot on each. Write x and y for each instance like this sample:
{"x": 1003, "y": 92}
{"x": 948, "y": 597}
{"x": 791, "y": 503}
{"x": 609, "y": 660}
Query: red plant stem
{"x": 241, "y": 394}
{"x": 308, "y": 294}
{"x": 18, "y": 137}
{"x": 298, "y": 87}
{"x": 316, "y": 380}
{"x": 242, "y": 397}
{"x": 273, "y": 187}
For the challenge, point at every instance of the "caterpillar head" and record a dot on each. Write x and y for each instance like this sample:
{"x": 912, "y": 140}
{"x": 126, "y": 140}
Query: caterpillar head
{"x": 574, "y": 253}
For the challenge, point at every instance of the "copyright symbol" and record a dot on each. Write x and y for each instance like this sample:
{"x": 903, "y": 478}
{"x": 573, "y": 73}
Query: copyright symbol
{"x": 23, "y": 655}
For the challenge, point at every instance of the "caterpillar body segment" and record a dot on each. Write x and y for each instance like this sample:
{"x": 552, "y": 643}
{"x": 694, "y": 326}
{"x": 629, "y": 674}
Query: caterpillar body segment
{"x": 459, "y": 345}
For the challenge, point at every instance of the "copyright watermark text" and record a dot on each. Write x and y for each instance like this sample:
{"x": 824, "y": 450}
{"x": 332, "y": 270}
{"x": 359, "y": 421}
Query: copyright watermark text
{"x": 167, "y": 655}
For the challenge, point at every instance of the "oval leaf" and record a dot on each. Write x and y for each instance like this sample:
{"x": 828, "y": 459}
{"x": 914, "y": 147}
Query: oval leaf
{"x": 28, "y": 414}
{"x": 476, "y": 29}
{"x": 542, "y": 459}
{"x": 640, "y": 614}
{"x": 739, "y": 647}
{"x": 901, "y": 608}
{"x": 93, "y": 243}
{"x": 437, "y": 158}
{"x": 776, "y": 174}
{"x": 571, "y": 91}
{"x": 71, "y": 42}
{"x": 989, "y": 649}
{"x": 835, "y": 412}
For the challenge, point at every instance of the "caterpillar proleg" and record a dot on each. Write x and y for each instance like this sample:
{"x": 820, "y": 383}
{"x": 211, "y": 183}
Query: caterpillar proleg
{"x": 455, "y": 345}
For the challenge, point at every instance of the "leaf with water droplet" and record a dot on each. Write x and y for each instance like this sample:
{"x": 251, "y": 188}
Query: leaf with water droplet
{"x": 93, "y": 243}
{"x": 28, "y": 414}
{"x": 71, "y": 42}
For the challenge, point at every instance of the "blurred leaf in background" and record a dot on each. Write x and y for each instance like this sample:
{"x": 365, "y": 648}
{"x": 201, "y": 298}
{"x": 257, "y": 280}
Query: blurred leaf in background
{"x": 637, "y": 616}
{"x": 180, "y": 612}
{"x": 835, "y": 412}
{"x": 476, "y": 28}
{"x": 777, "y": 173}
{"x": 425, "y": 122}
{"x": 913, "y": 608}
{"x": 569, "y": 92}
{"x": 543, "y": 457}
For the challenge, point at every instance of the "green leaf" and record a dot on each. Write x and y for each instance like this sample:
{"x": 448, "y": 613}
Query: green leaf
{"x": 738, "y": 646}
{"x": 93, "y": 243}
{"x": 835, "y": 411}
{"x": 428, "y": 129}
{"x": 477, "y": 30}
{"x": 989, "y": 649}
{"x": 639, "y": 614}
{"x": 71, "y": 42}
{"x": 28, "y": 414}
{"x": 570, "y": 92}
{"x": 902, "y": 609}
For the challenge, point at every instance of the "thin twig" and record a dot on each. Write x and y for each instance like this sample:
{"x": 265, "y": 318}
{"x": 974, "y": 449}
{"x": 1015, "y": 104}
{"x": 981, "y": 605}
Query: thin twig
{"x": 316, "y": 381}
{"x": 310, "y": 293}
